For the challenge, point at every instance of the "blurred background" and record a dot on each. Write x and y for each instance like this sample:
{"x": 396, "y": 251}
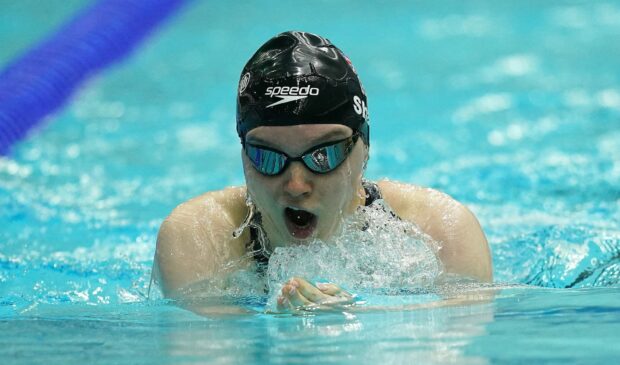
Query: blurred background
{"x": 511, "y": 107}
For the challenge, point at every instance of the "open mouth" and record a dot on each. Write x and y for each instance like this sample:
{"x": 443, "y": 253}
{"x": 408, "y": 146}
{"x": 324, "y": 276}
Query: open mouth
{"x": 300, "y": 223}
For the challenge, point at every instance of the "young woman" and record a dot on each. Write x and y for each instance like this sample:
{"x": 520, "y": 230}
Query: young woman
{"x": 302, "y": 117}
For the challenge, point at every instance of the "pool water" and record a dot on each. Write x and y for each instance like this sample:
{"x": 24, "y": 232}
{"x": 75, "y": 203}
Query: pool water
{"x": 513, "y": 108}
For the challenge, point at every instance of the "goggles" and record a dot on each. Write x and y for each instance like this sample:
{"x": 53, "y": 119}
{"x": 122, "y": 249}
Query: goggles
{"x": 319, "y": 159}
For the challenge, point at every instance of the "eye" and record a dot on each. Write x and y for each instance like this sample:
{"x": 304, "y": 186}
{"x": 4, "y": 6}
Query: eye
{"x": 319, "y": 157}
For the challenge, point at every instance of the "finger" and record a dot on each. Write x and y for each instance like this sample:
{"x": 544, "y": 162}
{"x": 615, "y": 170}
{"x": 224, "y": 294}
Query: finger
{"x": 335, "y": 294}
{"x": 283, "y": 304}
{"x": 309, "y": 291}
{"x": 329, "y": 288}
{"x": 295, "y": 298}
{"x": 333, "y": 290}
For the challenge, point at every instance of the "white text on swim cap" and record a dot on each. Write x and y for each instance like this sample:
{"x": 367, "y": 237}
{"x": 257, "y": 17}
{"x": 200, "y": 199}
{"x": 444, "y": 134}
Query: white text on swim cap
{"x": 360, "y": 107}
{"x": 290, "y": 93}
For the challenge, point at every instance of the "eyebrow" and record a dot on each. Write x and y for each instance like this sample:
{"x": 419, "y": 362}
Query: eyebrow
{"x": 323, "y": 138}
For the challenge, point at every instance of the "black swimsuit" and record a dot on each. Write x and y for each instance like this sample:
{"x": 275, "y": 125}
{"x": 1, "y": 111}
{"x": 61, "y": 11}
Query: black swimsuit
{"x": 262, "y": 257}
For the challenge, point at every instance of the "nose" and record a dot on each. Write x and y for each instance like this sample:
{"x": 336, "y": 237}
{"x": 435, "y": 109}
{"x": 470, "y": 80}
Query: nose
{"x": 297, "y": 182}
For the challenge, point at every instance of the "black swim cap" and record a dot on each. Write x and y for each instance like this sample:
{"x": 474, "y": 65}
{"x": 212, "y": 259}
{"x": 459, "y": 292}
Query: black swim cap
{"x": 300, "y": 78}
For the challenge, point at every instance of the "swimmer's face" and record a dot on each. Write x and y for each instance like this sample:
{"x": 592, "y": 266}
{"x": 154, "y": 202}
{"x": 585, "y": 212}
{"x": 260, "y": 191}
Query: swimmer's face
{"x": 286, "y": 199}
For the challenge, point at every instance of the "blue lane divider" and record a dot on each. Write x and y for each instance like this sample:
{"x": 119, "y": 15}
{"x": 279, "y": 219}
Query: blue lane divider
{"x": 40, "y": 81}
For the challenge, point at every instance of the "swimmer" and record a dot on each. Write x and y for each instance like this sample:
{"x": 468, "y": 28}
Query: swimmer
{"x": 302, "y": 120}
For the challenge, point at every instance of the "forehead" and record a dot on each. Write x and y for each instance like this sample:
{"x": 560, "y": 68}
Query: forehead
{"x": 298, "y": 135}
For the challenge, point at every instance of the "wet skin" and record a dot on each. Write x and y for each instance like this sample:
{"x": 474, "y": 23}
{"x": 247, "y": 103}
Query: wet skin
{"x": 329, "y": 197}
{"x": 195, "y": 242}
{"x": 297, "y": 293}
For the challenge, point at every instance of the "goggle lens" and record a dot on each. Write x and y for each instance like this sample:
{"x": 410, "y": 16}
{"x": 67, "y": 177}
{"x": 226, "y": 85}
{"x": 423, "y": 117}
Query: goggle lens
{"x": 319, "y": 159}
{"x": 326, "y": 159}
{"x": 266, "y": 161}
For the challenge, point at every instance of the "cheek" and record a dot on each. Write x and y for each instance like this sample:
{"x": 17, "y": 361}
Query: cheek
{"x": 350, "y": 173}
{"x": 345, "y": 184}
{"x": 257, "y": 187}
{"x": 338, "y": 186}
{"x": 248, "y": 170}
{"x": 358, "y": 160}
{"x": 263, "y": 191}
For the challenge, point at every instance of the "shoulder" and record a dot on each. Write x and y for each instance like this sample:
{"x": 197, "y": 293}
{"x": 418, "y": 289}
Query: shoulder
{"x": 212, "y": 211}
{"x": 408, "y": 200}
{"x": 225, "y": 203}
{"x": 195, "y": 241}
{"x": 424, "y": 206}
{"x": 464, "y": 248}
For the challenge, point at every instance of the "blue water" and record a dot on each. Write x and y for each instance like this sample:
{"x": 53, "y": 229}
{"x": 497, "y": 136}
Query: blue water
{"x": 513, "y": 108}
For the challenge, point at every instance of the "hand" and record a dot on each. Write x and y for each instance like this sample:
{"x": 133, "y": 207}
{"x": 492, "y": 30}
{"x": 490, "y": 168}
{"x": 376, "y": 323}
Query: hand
{"x": 298, "y": 294}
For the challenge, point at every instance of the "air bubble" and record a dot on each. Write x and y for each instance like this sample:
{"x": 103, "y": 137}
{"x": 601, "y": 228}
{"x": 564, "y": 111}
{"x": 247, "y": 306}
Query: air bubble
{"x": 374, "y": 253}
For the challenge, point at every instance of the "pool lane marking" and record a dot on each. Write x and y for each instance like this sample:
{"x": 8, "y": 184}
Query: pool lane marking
{"x": 42, "y": 80}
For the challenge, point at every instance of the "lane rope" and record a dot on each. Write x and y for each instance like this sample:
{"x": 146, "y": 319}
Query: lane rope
{"x": 42, "y": 80}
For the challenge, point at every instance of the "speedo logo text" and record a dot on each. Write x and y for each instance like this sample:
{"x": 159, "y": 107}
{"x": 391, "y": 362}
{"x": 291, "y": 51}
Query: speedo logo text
{"x": 290, "y": 93}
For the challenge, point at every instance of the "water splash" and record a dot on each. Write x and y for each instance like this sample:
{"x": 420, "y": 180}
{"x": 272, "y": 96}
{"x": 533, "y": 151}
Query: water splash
{"x": 572, "y": 256}
{"x": 374, "y": 253}
{"x": 97, "y": 275}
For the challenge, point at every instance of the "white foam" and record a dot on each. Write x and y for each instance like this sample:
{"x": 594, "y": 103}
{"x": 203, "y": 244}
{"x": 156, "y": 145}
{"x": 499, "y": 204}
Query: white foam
{"x": 388, "y": 256}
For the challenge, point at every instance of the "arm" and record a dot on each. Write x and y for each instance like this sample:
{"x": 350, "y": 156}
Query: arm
{"x": 195, "y": 242}
{"x": 300, "y": 295}
{"x": 464, "y": 248}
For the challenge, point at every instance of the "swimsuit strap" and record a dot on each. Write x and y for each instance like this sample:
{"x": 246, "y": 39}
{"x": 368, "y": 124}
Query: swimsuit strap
{"x": 259, "y": 254}
{"x": 372, "y": 192}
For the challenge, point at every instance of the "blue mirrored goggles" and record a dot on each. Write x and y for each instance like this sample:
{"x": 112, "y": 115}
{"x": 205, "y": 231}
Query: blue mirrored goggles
{"x": 319, "y": 159}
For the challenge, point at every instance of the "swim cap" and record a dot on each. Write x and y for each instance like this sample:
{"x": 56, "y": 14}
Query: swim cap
{"x": 300, "y": 78}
